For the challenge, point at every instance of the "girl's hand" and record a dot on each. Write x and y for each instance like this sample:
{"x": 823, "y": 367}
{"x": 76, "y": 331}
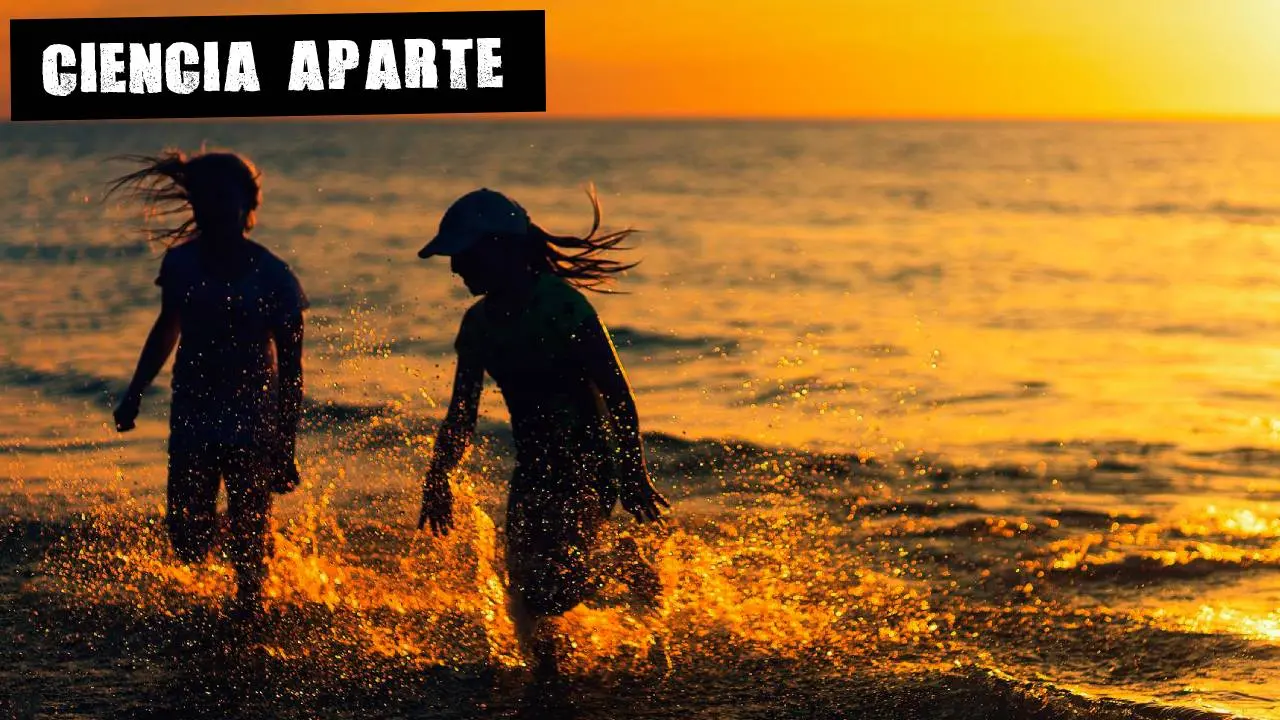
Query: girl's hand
{"x": 284, "y": 468}
{"x": 437, "y": 506}
{"x": 642, "y": 499}
{"x": 127, "y": 412}
{"x": 286, "y": 478}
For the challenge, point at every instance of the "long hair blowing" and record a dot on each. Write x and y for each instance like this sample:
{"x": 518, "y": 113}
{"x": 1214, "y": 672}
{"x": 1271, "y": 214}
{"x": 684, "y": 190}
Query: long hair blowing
{"x": 164, "y": 185}
{"x": 578, "y": 259}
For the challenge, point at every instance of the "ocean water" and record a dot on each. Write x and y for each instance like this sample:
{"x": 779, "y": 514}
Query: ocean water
{"x": 965, "y": 420}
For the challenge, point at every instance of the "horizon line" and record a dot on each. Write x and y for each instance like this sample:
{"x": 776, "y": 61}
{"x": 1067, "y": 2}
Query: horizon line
{"x": 677, "y": 118}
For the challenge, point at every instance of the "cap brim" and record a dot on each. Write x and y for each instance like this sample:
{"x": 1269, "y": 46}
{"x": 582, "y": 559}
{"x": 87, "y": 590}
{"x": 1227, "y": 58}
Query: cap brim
{"x": 446, "y": 245}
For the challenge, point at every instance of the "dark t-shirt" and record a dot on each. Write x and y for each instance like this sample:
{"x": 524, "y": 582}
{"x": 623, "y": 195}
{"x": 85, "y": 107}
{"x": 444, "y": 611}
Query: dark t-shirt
{"x": 558, "y": 417}
{"x": 225, "y": 376}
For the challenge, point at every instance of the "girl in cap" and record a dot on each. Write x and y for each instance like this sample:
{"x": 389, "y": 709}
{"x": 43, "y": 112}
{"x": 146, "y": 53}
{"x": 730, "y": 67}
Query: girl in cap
{"x": 577, "y": 438}
{"x": 234, "y": 311}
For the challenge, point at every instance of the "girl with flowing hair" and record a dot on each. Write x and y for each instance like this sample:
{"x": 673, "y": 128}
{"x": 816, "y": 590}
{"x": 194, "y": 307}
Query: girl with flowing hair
{"x": 234, "y": 311}
{"x": 573, "y": 416}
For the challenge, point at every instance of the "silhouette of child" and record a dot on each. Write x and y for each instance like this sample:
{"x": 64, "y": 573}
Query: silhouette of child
{"x": 577, "y": 438}
{"x": 234, "y": 310}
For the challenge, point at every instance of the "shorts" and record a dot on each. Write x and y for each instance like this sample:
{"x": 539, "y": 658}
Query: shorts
{"x": 555, "y": 520}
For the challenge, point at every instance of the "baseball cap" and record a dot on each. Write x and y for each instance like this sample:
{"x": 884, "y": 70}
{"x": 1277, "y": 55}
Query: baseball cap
{"x": 473, "y": 217}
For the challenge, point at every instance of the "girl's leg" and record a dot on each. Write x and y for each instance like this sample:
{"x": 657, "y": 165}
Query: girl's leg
{"x": 191, "y": 512}
{"x": 537, "y": 636}
{"x": 249, "y": 505}
{"x": 550, "y": 570}
{"x": 551, "y": 577}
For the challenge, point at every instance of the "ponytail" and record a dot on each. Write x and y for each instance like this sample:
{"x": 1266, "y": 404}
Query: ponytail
{"x": 577, "y": 259}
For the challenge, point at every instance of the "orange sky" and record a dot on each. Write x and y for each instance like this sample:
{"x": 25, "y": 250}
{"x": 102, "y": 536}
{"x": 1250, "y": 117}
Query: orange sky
{"x": 860, "y": 58}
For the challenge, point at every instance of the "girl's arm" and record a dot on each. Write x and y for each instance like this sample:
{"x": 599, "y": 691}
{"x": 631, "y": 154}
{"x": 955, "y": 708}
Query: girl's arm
{"x": 288, "y": 341}
{"x": 289, "y": 338}
{"x": 155, "y": 353}
{"x": 595, "y": 349}
{"x": 452, "y": 441}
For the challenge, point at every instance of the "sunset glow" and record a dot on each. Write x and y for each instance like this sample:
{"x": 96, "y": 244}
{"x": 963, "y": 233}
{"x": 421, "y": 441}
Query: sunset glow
{"x": 863, "y": 58}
